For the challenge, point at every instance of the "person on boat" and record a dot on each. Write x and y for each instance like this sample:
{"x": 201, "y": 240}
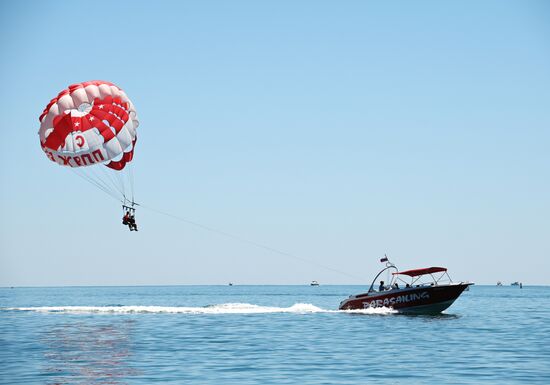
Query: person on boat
{"x": 407, "y": 285}
{"x": 381, "y": 287}
{"x": 395, "y": 286}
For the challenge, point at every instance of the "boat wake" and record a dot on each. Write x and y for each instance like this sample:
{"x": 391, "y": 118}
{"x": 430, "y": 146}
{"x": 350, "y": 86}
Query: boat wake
{"x": 226, "y": 308}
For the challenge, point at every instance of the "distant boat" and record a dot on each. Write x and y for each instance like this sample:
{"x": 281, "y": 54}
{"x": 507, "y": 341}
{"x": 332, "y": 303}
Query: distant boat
{"x": 314, "y": 283}
{"x": 514, "y": 283}
{"x": 230, "y": 283}
{"x": 499, "y": 283}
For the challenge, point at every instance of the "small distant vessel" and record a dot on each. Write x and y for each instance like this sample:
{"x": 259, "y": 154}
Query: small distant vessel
{"x": 430, "y": 290}
{"x": 314, "y": 283}
{"x": 514, "y": 283}
{"x": 499, "y": 283}
{"x": 230, "y": 283}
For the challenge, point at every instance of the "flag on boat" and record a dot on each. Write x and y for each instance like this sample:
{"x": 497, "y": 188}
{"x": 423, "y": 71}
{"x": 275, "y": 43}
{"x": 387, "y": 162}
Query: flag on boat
{"x": 385, "y": 259}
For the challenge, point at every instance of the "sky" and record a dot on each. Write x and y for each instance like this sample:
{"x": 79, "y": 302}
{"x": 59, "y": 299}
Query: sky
{"x": 333, "y": 131}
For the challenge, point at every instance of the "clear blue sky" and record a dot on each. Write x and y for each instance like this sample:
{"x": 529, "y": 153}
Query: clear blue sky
{"x": 337, "y": 131}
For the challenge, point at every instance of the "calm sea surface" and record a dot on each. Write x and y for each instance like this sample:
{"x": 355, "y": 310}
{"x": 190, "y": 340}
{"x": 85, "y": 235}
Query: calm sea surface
{"x": 267, "y": 335}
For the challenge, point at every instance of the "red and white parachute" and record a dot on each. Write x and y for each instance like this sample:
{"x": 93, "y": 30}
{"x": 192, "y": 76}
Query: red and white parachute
{"x": 88, "y": 126}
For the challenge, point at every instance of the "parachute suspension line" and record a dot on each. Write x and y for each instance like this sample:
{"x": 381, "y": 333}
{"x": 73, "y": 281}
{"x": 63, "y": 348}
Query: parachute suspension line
{"x": 124, "y": 179}
{"x": 94, "y": 183}
{"x": 104, "y": 181}
{"x": 119, "y": 176}
{"x": 99, "y": 182}
{"x": 114, "y": 178}
{"x": 131, "y": 178}
{"x": 250, "y": 242}
{"x": 124, "y": 182}
{"x": 89, "y": 180}
{"x": 88, "y": 173}
{"x": 107, "y": 177}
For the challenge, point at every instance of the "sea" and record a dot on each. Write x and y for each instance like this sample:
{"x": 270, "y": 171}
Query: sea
{"x": 244, "y": 334}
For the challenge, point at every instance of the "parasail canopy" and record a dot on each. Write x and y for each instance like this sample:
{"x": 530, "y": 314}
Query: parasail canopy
{"x": 88, "y": 126}
{"x": 89, "y": 123}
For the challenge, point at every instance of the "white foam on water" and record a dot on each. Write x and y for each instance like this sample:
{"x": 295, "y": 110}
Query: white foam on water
{"x": 371, "y": 310}
{"x": 226, "y": 308}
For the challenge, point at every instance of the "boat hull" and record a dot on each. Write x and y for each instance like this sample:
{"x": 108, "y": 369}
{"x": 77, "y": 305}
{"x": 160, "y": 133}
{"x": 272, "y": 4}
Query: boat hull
{"x": 415, "y": 300}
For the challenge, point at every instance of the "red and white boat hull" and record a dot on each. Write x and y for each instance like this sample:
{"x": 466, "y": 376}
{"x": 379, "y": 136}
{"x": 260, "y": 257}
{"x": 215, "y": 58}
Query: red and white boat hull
{"x": 423, "y": 299}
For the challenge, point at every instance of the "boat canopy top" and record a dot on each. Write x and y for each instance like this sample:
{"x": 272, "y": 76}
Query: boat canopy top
{"x": 417, "y": 272}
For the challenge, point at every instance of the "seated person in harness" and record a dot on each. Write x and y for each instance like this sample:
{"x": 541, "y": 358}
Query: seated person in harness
{"x": 129, "y": 219}
{"x": 132, "y": 223}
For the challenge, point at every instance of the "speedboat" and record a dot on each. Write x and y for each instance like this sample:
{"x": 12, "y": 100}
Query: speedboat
{"x": 428, "y": 290}
{"x": 314, "y": 283}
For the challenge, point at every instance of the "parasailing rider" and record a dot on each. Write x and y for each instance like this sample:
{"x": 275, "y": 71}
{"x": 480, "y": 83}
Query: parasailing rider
{"x": 132, "y": 223}
{"x": 129, "y": 219}
{"x": 126, "y": 218}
